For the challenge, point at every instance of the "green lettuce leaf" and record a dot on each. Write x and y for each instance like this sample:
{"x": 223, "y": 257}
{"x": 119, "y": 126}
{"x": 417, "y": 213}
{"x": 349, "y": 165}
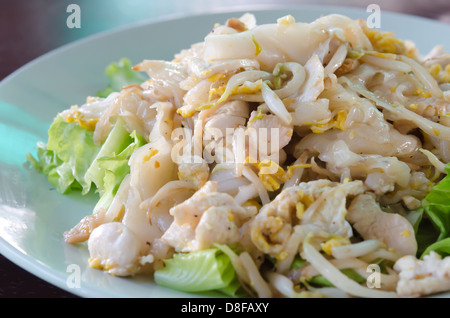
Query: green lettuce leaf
{"x": 113, "y": 165}
{"x": 66, "y": 157}
{"x": 441, "y": 247}
{"x": 71, "y": 160}
{"x": 201, "y": 271}
{"x": 75, "y": 146}
{"x": 437, "y": 205}
{"x": 426, "y": 232}
{"x": 433, "y": 225}
{"x": 118, "y": 139}
{"x": 120, "y": 74}
{"x": 58, "y": 173}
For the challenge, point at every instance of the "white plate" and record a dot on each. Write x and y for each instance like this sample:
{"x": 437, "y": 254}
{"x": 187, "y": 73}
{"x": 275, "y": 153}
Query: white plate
{"x": 33, "y": 217}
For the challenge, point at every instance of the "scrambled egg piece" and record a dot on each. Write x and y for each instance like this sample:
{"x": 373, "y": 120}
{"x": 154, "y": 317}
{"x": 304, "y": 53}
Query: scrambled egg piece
{"x": 335, "y": 240}
{"x": 385, "y": 42}
{"x": 196, "y": 171}
{"x": 187, "y": 110}
{"x": 440, "y": 74}
{"x": 271, "y": 174}
{"x": 75, "y": 116}
{"x": 319, "y": 205}
{"x": 246, "y": 88}
{"x": 338, "y": 121}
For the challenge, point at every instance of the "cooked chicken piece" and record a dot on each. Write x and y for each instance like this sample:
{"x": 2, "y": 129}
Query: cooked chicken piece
{"x": 206, "y": 218}
{"x": 81, "y": 232}
{"x": 194, "y": 169}
{"x": 372, "y": 223}
{"x": 217, "y": 225}
{"x": 423, "y": 277}
{"x": 263, "y": 131}
{"x": 115, "y": 249}
{"x": 381, "y": 173}
{"x": 231, "y": 115}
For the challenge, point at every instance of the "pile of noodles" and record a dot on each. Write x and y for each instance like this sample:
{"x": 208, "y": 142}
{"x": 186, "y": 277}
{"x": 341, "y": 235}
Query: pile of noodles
{"x": 356, "y": 113}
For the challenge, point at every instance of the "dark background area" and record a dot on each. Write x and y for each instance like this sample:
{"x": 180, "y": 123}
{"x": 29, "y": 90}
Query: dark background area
{"x": 30, "y": 28}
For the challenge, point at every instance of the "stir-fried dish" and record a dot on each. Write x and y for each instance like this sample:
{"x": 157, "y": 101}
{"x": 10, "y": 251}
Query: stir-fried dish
{"x": 277, "y": 160}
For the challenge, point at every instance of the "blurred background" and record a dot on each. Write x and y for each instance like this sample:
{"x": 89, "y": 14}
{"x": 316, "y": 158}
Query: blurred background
{"x": 30, "y": 28}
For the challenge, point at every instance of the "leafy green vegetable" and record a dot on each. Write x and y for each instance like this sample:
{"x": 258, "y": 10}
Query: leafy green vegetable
{"x": 58, "y": 173}
{"x": 441, "y": 247}
{"x": 426, "y": 232}
{"x": 120, "y": 74}
{"x": 437, "y": 205}
{"x": 298, "y": 262}
{"x": 113, "y": 165}
{"x": 350, "y": 273}
{"x": 75, "y": 146}
{"x": 67, "y": 156}
{"x": 201, "y": 271}
{"x": 434, "y": 224}
{"x": 116, "y": 141}
{"x": 71, "y": 160}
